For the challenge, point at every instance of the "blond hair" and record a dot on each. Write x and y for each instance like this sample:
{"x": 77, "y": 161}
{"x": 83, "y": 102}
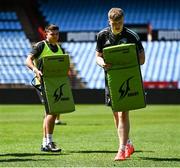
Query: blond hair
{"x": 115, "y": 14}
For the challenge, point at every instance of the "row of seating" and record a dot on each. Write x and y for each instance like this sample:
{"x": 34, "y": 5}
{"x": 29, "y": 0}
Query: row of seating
{"x": 80, "y": 15}
{"x": 10, "y": 25}
{"x": 8, "y": 15}
{"x": 9, "y": 21}
{"x": 13, "y": 34}
{"x": 19, "y": 77}
{"x": 12, "y": 60}
{"x": 14, "y": 44}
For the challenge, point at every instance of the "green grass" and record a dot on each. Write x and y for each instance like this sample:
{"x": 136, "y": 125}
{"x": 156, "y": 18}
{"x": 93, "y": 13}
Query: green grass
{"x": 89, "y": 139}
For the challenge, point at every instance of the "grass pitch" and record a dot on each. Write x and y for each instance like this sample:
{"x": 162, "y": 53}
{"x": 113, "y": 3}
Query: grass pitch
{"x": 89, "y": 139}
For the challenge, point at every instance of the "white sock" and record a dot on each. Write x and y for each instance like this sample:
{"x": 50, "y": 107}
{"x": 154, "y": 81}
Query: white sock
{"x": 122, "y": 147}
{"x": 44, "y": 142}
{"x": 49, "y": 138}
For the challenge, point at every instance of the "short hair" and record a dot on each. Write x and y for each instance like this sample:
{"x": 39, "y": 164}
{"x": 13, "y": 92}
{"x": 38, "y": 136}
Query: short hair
{"x": 51, "y": 27}
{"x": 115, "y": 14}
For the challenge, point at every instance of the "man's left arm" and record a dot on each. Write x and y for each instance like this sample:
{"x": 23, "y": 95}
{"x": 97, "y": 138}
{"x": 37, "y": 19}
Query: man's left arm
{"x": 141, "y": 52}
{"x": 141, "y": 57}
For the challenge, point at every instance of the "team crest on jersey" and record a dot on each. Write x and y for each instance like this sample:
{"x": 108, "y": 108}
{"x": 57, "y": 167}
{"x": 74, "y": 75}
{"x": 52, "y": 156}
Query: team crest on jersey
{"x": 123, "y": 41}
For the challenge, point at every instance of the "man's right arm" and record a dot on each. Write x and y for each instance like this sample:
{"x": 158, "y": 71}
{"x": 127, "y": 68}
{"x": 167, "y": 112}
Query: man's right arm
{"x": 99, "y": 55}
{"x": 100, "y": 61}
{"x": 35, "y": 53}
{"x": 30, "y": 64}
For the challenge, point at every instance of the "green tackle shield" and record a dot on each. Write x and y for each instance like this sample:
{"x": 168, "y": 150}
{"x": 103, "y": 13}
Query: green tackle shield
{"x": 124, "y": 78}
{"x": 57, "y": 92}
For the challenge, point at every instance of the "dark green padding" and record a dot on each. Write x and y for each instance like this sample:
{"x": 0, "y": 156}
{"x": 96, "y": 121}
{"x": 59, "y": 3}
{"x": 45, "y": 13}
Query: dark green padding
{"x": 124, "y": 78}
{"x": 58, "y": 92}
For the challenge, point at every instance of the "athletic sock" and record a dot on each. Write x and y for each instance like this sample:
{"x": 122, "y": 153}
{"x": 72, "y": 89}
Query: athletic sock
{"x": 122, "y": 147}
{"x": 44, "y": 142}
{"x": 49, "y": 138}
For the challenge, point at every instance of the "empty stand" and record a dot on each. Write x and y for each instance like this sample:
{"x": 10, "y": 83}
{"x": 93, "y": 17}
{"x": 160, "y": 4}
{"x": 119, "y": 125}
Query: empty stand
{"x": 162, "y": 62}
{"x": 14, "y": 47}
{"x": 162, "y": 57}
{"x": 79, "y": 15}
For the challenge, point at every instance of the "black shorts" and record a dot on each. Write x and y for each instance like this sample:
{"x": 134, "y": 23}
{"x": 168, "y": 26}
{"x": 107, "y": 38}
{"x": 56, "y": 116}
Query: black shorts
{"x": 42, "y": 97}
{"x": 107, "y": 97}
{"x": 107, "y": 93}
{"x": 39, "y": 93}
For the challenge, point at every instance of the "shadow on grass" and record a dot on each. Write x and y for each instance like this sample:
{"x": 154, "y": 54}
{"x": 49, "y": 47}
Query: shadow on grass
{"x": 104, "y": 151}
{"x": 142, "y": 151}
{"x": 20, "y": 160}
{"x": 86, "y": 151}
{"x": 19, "y": 156}
{"x": 31, "y": 154}
{"x": 161, "y": 159}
